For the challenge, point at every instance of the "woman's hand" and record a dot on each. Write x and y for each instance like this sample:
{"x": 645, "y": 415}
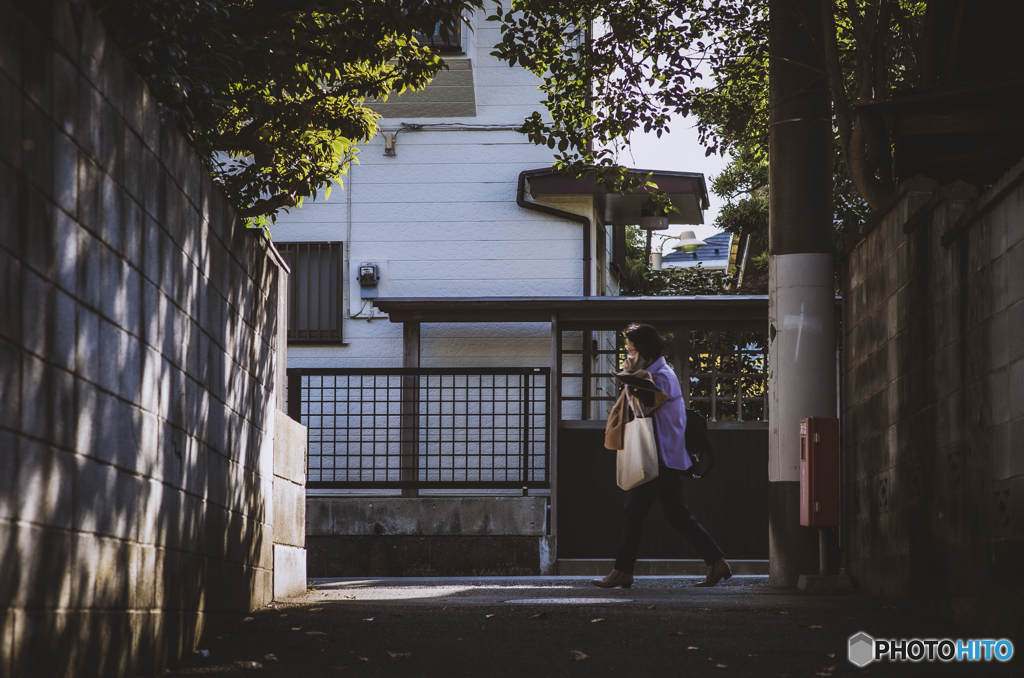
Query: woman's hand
{"x": 645, "y": 396}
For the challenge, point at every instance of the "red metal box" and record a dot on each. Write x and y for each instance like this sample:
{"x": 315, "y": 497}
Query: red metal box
{"x": 819, "y": 472}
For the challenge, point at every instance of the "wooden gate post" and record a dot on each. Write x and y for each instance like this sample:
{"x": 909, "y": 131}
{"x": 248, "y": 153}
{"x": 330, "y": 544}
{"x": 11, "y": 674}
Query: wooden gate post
{"x": 555, "y": 416}
{"x": 410, "y": 408}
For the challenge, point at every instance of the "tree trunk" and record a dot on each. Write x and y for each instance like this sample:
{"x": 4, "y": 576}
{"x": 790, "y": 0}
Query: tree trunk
{"x": 864, "y": 142}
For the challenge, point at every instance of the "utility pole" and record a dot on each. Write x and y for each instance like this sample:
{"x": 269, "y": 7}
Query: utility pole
{"x": 801, "y": 291}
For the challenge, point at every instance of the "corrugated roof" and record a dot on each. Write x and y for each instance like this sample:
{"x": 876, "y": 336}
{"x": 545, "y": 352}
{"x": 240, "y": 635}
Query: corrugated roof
{"x": 716, "y": 251}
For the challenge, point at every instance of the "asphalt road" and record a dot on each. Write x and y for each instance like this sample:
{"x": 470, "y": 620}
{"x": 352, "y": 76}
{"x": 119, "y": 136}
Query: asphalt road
{"x": 562, "y": 626}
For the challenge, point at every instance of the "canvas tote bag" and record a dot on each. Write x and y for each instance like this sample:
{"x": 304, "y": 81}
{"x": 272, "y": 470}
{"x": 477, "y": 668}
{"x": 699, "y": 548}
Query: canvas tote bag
{"x": 637, "y": 461}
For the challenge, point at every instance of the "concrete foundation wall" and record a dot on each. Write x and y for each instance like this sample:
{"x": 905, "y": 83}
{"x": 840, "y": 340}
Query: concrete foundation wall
{"x": 437, "y": 536}
{"x": 933, "y": 406}
{"x": 140, "y": 347}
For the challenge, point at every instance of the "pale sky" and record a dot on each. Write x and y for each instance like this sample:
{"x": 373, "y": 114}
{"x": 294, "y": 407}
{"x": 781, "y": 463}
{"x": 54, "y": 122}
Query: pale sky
{"x": 678, "y": 151}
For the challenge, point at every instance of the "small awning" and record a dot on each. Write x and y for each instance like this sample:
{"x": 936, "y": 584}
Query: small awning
{"x": 723, "y": 312}
{"x": 687, "y": 190}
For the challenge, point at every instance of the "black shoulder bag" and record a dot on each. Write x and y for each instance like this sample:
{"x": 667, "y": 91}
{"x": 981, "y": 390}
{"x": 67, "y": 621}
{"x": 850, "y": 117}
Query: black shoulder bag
{"x": 697, "y": 445}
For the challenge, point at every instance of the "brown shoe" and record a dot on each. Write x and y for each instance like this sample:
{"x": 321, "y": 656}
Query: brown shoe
{"x": 613, "y": 580}
{"x": 720, "y": 570}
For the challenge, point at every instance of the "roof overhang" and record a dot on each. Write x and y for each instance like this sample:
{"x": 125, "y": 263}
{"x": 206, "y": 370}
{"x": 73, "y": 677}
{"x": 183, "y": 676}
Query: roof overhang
{"x": 725, "y": 312}
{"x": 687, "y": 190}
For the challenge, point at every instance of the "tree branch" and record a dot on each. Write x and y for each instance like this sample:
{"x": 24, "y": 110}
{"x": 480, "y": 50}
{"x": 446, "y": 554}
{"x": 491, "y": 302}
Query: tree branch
{"x": 268, "y": 205}
{"x": 852, "y": 134}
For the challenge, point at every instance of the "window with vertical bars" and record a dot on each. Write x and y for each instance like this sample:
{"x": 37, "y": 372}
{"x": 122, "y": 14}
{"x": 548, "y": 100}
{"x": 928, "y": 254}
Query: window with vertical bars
{"x": 314, "y": 291}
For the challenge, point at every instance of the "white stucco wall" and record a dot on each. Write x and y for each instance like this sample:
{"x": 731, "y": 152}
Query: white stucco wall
{"x": 441, "y": 216}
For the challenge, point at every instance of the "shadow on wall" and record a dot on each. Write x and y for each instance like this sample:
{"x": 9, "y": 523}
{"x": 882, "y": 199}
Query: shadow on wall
{"x": 137, "y": 362}
{"x": 932, "y": 406}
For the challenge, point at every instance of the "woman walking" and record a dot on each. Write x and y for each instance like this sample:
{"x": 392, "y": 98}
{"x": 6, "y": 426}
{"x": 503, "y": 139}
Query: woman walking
{"x": 644, "y": 347}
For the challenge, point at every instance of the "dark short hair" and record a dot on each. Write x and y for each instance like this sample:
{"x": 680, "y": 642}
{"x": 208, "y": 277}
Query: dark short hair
{"x": 649, "y": 344}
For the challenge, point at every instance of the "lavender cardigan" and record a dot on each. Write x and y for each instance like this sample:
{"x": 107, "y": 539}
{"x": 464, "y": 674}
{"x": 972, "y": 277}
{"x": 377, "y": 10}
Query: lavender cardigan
{"x": 669, "y": 418}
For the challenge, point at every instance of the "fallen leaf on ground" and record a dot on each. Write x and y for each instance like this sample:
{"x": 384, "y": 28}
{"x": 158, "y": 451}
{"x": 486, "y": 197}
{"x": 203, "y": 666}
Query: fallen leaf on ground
{"x": 489, "y": 616}
{"x": 675, "y": 633}
{"x": 247, "y": 619}
{"x": 829, "y": 668}
{"x": 269, "y": 658}
{"x": 783, "y": 612}
{"x": 539, "y": 615}
{"x": 248, "y": 665}
{"x": 315, "y": 633}
{"x": 397, "y": 656}
{"x": 362, "y": 659}
{"x": 832, "y": 654}
{"x": 599, "y": 619}
{"x": 721, "y": 666}
{"x": 692, "y": 648}
{"x": 296, "y": 628}
{"x": 273, "y": 606}
{"x": 704, "y": 609}
{"x": 317, "y": 609}
{"x": 368, "y": 619}
{"x": 349, "y": 597}
{"x": 650, "y": 607}
{"x": 579, "y": 656}
{"x": 712, "y": 660}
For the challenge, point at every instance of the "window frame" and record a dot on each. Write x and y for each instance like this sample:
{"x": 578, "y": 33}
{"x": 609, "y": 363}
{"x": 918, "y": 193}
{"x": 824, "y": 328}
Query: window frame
{"x": 333, "y": 253}
{"x": 451, "y": 48}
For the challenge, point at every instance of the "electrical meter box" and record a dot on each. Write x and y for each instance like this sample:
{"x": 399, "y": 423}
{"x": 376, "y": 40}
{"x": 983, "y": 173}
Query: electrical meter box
{"x": 819, "y": 472}
{"x": 368, "y": 277}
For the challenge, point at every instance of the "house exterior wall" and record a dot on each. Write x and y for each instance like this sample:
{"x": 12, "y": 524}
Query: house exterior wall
{"x": 932, "y": 405}
{"x": 141, "y": 450}
{"x": 442, "y": 220}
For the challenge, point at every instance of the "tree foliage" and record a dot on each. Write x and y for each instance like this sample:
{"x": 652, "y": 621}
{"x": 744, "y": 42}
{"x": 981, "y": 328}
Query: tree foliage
{"x": 650, "y": 60}
{"x": 640, "y": 280}
{"x": 273, "y": 94}
{"x": 743, "y": 184}
{"x": 639, "y": 67}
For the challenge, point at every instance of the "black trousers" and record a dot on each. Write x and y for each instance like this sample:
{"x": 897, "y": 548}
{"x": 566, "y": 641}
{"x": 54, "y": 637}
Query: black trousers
{"x": 668, "y": 487}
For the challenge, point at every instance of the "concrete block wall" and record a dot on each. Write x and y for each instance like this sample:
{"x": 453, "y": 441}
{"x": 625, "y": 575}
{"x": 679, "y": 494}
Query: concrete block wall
{"x": 289, "y": 518}
{"x": 933, "y": 406}
{"x": 140, "y": 351}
